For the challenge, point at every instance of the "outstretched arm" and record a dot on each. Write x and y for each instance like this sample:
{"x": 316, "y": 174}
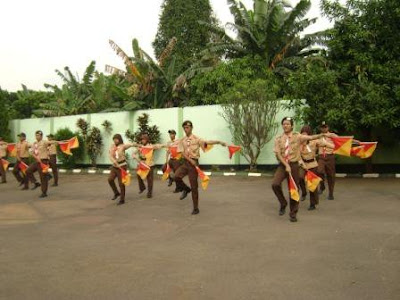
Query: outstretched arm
{"x": 215, "y": 142}
{"x": 129, "y": 145}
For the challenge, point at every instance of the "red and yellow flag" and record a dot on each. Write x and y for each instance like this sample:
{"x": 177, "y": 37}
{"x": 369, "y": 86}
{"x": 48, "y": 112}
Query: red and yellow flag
{"x": 12, "y": 150}
{"x": 147, "y": 153}
{"x": 364, "y": 150}
{"x": 66, "y": 146}
{"x": 166, "y": 172}
{"x": 233, "y": 149}
{"x": 5, "y": 163}
{"x": 173, "y": 150}
{"x": 312, "y": 181}
{"x": 205, "y": 180}
{"x": 293, "y": 190}
{"x": 23, "y": 167}
{"x": 73, "y": 142}
{"x": 207, "y": 147}
{"x": 125, "y": 177}
{"x": 142, "y": 170}
{"x": 342, "y": 145}
{"x": 44, "y": 167}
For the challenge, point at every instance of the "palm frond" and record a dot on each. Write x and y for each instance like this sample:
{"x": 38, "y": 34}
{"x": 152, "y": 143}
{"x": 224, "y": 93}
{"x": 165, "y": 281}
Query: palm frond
{"x": 126, "y": 60}
{"x": 167, "y": 52}
{"x": 90, "y": 70}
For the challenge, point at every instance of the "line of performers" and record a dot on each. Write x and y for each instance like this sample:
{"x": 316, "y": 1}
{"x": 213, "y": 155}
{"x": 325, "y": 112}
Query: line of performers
{"x": 296, "y": 154}
{"x": 183, "y": 161}
{"x": 44, "y": 153}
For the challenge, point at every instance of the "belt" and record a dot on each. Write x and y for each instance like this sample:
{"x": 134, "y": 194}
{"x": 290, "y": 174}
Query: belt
{"x": 121, "y": 162}
{"x": 309, "y": 160}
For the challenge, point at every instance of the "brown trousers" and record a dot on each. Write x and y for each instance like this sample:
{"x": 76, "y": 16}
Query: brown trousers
{"x": 314, "y": 199}
{"x": 53, "y": 166}
{"x": 149, "y": 179}
{"x": 116, "y": 173}
{"x": 18, "y": 173}
{"x": 3, "y": 172}
{"x": 44, "y": 180}
{"x": 327, "y": 166}
{"x": 174, "y": 164}
{"x": 188, "y": 169}
{"x": 279, "y": 177}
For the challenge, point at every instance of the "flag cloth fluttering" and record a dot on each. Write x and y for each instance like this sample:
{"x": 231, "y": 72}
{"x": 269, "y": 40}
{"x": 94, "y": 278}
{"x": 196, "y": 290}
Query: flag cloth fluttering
{"x": 173, "y": 150}
{"x": 166, "y": 172}
{"x": 293, "y": 190}
{"x": 233, "y": 149}
{"x": 125, "y": 177}
{"x": 147, "y": 153}
{"x": 44, "y": 167}
{"x": 12, "y": 150}
{"x": 66, "y": 146}
{"x": 312, "y": 181}
{"x": 142, "y": 170}
{"x": 205, "y": 180}
{"x": 342, "y": 145}
{"x": 23, "y": 167}
{"x": 364, "y": 150}
{"x": 207, "y": 147}
{"x": 5, "y": 163}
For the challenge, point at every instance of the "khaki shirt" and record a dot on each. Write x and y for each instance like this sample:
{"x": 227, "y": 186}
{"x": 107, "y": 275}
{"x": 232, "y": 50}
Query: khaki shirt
{"x": 53, "y": 149}
{"x": 322, "y": 148}
{"x": 294, "y": 146}
{"x": 118, "y": 152}
{"x": 41, "y": 149}
{"x": 3, "y": 150}
{"x": 191, "y": 146}
{"x": 22, "y": 149}
{"x": 308, "y": 152}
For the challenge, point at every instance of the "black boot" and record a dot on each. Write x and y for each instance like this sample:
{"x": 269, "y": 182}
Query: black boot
{"x": 116, "y": 196}
{"x": 184, "y": 194}
{"x": 37, "y": 184}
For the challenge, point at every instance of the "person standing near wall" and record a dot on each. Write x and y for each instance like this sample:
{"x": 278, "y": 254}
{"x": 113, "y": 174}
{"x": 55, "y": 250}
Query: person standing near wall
{"x": 53, "y": 159}
{"x": 118, "y": 158}
{"x": 173, "y": 161}
{"x": 326, "y": 161}
{"x": 190, "y": 146}
{"x": 308, "y": 162}
{"x": 40, "y": 153}
{"x": 22, "y": 155}
{"x": 3, "y": 154}
{"x": 144, "y": 146}
{"x": 287, "y": 151}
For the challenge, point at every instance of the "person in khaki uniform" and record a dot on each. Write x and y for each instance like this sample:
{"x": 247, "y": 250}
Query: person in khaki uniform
{"x": 40, "y": 153}
{"x": 308, "y": 151}
{"x": 173, "y": 162}
{"x": 3, "y": 154}
{"x": 145, "y": 143}
{"x": 53, "y": 159}
{"x": 326, "y": 161}
{"x": 22, "y": 147}
{"x": 190, "y": 147}
{"x": 118, "y": 159}
{"x": 287, "y": 151}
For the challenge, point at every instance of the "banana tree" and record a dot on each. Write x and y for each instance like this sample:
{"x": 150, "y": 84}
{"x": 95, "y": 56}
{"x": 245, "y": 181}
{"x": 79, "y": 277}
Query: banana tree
{"x": 271, "y": 30}
{"x": 156, "y": 82}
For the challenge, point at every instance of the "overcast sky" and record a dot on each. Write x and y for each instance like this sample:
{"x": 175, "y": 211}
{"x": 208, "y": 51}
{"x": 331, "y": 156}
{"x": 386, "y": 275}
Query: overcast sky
{"x": 39, "y": 36}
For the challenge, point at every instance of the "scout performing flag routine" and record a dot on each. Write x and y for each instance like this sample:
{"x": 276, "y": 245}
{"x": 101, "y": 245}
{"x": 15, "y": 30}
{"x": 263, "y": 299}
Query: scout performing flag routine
{"x": 305, "y": 161}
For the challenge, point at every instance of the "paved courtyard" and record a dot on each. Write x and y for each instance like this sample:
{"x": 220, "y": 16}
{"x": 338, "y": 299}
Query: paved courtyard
{"x": 77, "y": 244}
